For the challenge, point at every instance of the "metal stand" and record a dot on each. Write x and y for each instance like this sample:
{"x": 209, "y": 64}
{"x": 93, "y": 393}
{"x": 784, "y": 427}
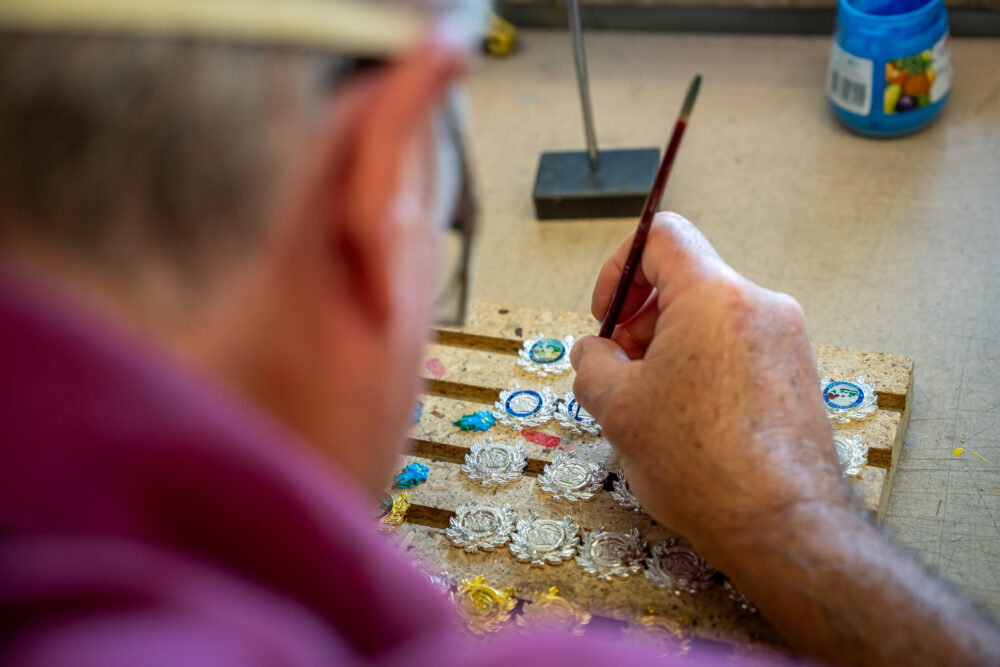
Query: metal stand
{"x": 592, "y": 184}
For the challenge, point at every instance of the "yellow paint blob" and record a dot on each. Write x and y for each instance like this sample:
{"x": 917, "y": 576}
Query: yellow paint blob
{"x": 958, "y": 451}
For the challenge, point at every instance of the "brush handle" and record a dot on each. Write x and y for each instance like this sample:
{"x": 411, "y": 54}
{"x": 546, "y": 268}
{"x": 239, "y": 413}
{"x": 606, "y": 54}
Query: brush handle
{"x": 641, "y": 233}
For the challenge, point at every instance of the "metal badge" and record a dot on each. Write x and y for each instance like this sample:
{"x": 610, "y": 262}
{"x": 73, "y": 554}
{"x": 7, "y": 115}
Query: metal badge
{"x": 476, "y": 526}
{"x": 413, "y": 474}
{"x": 572, "y": 416}
{"x": 551, "y": 612}
{"x": 738, "y": 597}
{"x": 610, "y": 555}
{"x": 672, "y": 634}
{"x": 541, "y": 541}
{"x": 483, "y": 608}
{"x": 518, "y": 407}
{"x": 441, "y": 581}
{"x": 480, "y": 420}
{"x": 676, "y": 566}
{"x": 571, "y": 478}
{"x": 846, "y": 401}
{"x": 544, "y": 356}
{"x": 393, "y": 513}
{"x": 495, "y": 463}
{"x": 852, "y": 454}
{"x": 622, "y": 492}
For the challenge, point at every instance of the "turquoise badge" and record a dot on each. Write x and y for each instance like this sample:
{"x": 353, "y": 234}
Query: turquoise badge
{"x": 480, "y": 420}
{"x": 412, "y": 475}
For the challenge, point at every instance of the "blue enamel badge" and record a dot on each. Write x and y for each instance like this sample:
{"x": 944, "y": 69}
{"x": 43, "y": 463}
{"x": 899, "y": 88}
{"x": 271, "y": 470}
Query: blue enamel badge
{"x": 481, "y": 420}
{"x": 412, "y": 475}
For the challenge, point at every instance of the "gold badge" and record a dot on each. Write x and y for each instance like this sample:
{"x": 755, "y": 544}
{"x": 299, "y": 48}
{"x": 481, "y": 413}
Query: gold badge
{"x": 483, "y": 608}
{"x": 551, "y": 611}
{"x": 393, "y": 511}
{"x": 671, "y": 633}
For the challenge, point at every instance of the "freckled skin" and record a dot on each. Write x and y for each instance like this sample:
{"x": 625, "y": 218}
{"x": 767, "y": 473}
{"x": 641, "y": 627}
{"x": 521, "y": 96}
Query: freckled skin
{"x": 709, "y": 392}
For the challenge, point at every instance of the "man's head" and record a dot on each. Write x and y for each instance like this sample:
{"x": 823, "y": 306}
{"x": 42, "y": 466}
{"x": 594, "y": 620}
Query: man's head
{"x": 270, "y": 215}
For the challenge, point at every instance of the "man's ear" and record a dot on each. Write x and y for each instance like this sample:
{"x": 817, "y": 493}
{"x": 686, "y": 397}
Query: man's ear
{"x": 382, "y": 123}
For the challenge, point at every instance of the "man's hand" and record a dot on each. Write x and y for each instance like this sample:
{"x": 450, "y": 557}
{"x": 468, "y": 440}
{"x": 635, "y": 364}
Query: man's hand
{"x": 708, "y": 391}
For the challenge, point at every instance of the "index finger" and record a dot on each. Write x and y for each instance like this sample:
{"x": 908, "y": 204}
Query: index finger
{"x": 676, "y": 257}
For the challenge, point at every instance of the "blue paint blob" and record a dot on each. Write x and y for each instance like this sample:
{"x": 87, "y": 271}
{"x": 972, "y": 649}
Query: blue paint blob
{"x": 481, "y": 420}
{"x": 412, "y": 475}
{"x": 418, "y": 411}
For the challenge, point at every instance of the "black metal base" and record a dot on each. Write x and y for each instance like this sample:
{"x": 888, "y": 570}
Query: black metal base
{"x": 565, "y": 187}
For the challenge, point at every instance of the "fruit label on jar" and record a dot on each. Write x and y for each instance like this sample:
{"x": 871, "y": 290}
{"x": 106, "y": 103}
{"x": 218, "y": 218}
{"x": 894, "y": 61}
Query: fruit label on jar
{"x": 918, "y": 80}
{"x": 849, "y": 81}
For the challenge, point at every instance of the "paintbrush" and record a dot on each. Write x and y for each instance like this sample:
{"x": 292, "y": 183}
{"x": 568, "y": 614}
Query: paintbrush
{"x": 648, "y": 211}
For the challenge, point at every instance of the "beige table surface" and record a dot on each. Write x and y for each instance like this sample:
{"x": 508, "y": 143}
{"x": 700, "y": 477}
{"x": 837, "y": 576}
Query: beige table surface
{"x": 889, "y": 245}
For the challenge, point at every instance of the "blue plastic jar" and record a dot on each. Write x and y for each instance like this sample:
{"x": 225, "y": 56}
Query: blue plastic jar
{"x": 890, "y": 66}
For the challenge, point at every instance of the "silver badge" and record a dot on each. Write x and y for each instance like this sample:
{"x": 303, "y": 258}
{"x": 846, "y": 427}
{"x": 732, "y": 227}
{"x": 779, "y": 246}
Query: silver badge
{"x": 476, "y": 527}
{"x": 544, "y": 356}
{"x": 524, "y": 407}
{"x": 572, "y": 416}
{"x": 852, "y": 454}
{"x": 738, "y": 597}
{"x": 542, "y": 541}
{"x": 675, "y": 565}
{"x": 495, "y": 463}
{"x": 611, "y": 554}
{"x": 571, "y": 478}
{"x": 846, "y": 401}
{"x": 623, "y": 493}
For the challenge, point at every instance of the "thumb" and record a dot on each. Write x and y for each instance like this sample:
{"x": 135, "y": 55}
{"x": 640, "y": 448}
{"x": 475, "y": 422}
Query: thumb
{"x": 601, "y": 368}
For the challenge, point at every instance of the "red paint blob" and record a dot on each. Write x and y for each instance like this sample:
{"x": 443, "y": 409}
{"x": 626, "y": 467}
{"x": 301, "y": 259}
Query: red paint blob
{"x": 435, "y": 367}
{"x": 543, "y": 439}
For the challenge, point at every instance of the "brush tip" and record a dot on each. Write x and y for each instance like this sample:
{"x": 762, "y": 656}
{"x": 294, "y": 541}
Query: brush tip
{"x": 692, "y": 94}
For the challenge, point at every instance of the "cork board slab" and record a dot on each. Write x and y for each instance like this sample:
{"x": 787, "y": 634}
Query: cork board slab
{"x": 466, "y": 368}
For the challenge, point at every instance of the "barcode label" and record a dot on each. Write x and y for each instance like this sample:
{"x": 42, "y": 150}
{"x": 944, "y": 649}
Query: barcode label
{"x": 849, "y": 81}
{"x": 847, "y": 91}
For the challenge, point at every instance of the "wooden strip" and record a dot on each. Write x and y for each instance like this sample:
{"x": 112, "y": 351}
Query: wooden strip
{"x": 879, "y": 432}
{"x": 890, "y": 373}
{"x": 447, "y": 487}
{"x": 434, "y": 502}
{"x": 716, "y": 616}
{"x": 868, "y": 491}
{"x": 436, "y": 436}
{"x": 490, "y": 325}
{"x": 480, "y": 376}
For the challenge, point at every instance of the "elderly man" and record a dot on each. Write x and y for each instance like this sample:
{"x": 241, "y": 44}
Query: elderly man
{"x": 217, "y": 275}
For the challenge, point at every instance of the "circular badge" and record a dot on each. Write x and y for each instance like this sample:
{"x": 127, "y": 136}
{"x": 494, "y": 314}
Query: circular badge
{"x": 572, "y": 416}
{"x": 846, "y": 401}
{"x": 518, "y": 407}
{"x": 852, "y": 454}
{"x": 550, "y": 611}
{"x": 571, "y": 478}
{"x": 541, "y": 541}
{"x": 675, "y": 565}
{"x": 545, "y": 356}
{"x": 622, "y": 493}
{"x": 476, "y": 527}
{"x": 491, "y": 462}
{"x": 610, "y": 555}
{"x": 483, "y": 608}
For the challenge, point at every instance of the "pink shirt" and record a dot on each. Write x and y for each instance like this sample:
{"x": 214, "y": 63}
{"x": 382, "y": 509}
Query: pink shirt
{"x": 147, "y": 517}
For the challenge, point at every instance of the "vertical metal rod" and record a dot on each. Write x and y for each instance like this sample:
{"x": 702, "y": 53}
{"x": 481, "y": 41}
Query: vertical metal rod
{"x": 580, "y": 58}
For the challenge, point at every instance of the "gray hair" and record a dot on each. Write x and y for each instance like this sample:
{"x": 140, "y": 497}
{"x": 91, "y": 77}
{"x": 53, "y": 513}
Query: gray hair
{"x": 125, "y": 149}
